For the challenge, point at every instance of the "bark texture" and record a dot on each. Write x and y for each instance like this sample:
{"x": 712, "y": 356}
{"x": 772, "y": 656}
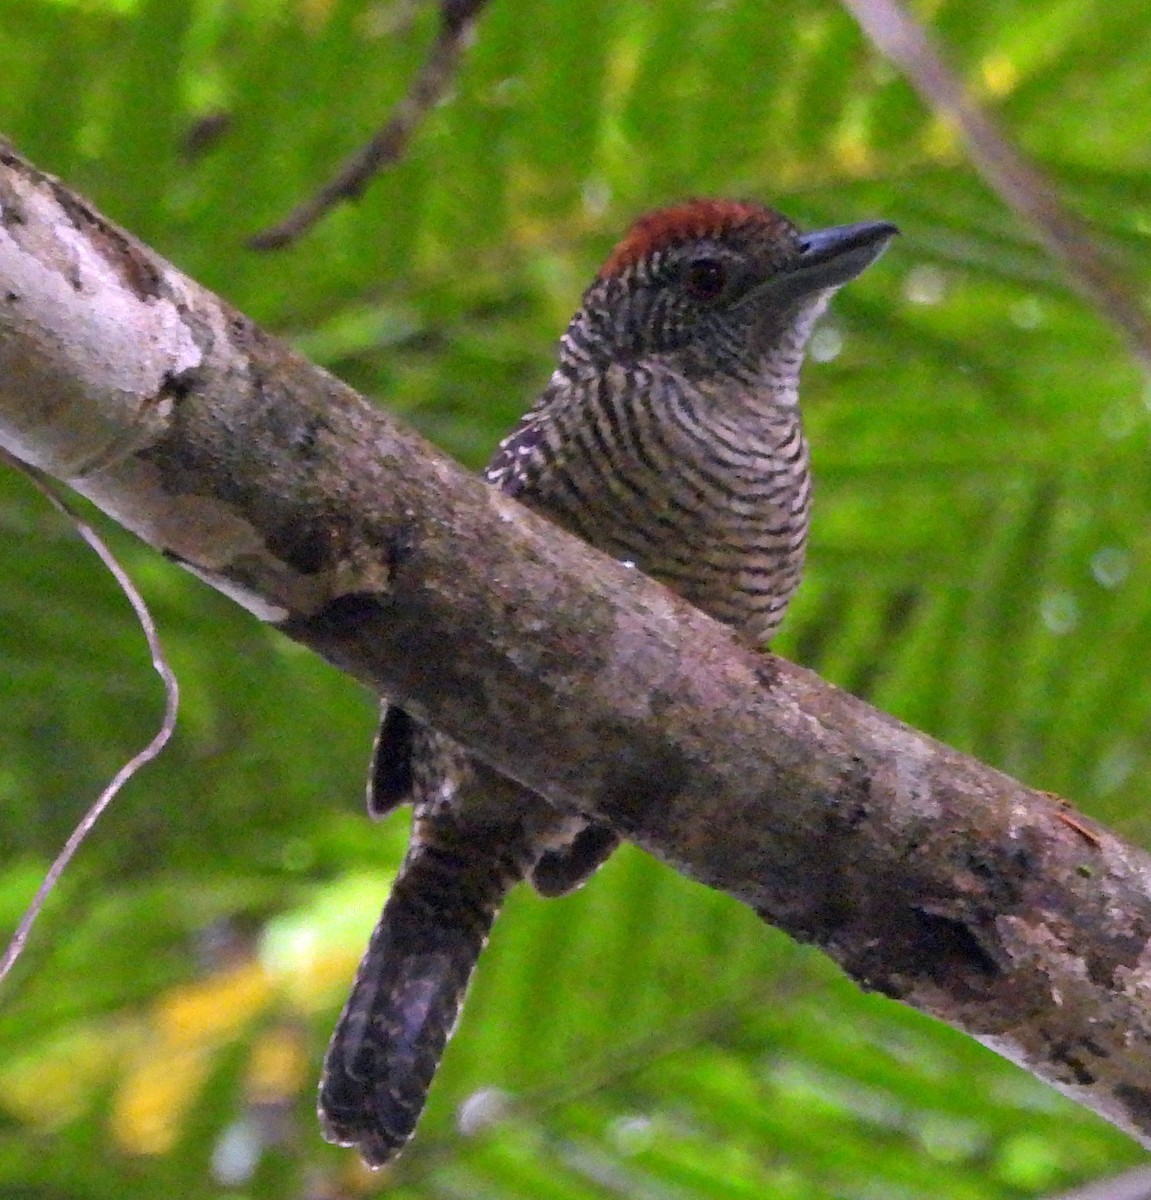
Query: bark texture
{"x": 925, "y": 874}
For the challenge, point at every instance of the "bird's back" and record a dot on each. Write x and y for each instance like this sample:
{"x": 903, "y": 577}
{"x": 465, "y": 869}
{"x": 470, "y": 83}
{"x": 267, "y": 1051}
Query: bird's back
{"x": 708, "y": 496}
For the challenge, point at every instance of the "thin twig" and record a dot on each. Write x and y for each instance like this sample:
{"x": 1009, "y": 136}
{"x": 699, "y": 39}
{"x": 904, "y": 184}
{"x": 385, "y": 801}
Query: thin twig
{"x": 457, "y": 22}
{"x": 151, "y": 750}
{"x": 1131, "y": 1185}
{"x": 896, "y": 34}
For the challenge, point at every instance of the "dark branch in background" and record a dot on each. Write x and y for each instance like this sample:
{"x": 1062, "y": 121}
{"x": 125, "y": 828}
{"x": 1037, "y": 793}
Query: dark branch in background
{"x": 925, "y": 874}
{"x": 457, "y": 22}
{"x": 897, "y": 35}
{"x": 711, "y": 1026}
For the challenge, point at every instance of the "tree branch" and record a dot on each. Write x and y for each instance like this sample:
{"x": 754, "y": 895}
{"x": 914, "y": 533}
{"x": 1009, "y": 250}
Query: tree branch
{"x": 926, "y": 875}
{"x": 897, "y": 34}
{"x": 387, "y": 145}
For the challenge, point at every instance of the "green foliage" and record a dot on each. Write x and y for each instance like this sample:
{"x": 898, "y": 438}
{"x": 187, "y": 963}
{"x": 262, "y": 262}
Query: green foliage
{"x": 980, "y": 567}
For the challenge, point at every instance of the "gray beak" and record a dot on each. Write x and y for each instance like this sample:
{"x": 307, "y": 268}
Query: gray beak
{"x": 829, "y": 258}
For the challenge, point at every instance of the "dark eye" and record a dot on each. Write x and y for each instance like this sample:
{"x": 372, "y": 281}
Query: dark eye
{"x": 705, "y": 278}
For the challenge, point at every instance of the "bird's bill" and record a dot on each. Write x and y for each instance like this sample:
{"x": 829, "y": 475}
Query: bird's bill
{"x": 829, "y": 258}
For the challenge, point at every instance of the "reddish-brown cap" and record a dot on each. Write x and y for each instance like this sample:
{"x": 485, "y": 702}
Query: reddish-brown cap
{"x": 666, "y": 227}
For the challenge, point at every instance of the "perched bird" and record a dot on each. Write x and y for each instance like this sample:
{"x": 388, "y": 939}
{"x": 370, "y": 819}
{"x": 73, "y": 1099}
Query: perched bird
{"x": 669, "y": 436}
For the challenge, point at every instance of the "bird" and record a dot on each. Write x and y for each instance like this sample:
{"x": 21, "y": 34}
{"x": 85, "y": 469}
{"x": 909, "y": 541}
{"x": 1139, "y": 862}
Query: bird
{"x": 668, "y": 436}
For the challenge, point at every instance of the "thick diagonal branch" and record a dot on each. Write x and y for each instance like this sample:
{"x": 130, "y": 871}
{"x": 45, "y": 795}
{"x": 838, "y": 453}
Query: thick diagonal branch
{"x": 925, "y": 874}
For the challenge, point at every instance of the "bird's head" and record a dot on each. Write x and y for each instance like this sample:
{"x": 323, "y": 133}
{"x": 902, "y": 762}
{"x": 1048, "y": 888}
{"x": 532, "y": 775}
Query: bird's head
{"x": 718, "y": 288}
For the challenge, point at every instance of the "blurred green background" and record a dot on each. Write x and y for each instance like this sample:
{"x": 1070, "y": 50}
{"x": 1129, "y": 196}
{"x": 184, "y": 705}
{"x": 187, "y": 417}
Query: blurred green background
{"x": 980, "y": 567}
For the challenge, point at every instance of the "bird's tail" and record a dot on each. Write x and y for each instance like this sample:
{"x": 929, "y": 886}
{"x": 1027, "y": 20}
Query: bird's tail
{"x": 408, "y": 993}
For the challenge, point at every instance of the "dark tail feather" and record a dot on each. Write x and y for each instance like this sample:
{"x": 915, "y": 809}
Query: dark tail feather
{"x": 406, "y": 999}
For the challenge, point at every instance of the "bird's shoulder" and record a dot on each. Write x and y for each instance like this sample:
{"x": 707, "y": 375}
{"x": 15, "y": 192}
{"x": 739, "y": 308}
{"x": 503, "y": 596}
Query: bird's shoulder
{"x": 573, "y": 393}
{"x": 519, "y": 456}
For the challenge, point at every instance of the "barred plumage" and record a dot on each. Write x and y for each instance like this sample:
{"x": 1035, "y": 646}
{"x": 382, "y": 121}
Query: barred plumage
{"x": 709, "y": 495}
{"x": 669, "y": 436}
